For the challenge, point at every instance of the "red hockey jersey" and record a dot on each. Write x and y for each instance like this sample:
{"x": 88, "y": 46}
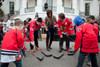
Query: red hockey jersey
{"x": 24, "y": 35}
{"x": 71, "y": 30}
{"x": 64, "y": 27}
{"x": 33, "y": 27}
{"x": 86, "y": 38}
{"x": 95, "y": 24}
{"x": 0, "y": 28}
{"x": 13, "y": 40}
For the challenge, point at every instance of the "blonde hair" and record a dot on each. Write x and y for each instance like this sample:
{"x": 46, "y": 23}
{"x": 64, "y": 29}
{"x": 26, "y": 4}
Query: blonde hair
{"x": 18, "y": 22}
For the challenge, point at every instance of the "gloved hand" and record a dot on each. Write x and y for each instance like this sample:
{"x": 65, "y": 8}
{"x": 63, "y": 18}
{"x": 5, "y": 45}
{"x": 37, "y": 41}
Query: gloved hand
{"x": 71, "y": 53}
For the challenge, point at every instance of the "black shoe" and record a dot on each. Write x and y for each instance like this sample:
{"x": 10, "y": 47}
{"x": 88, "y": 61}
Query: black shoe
{"x": 66, "y": 49}
{"x": 63, "y": 49}
{"x": 71, "y": 53}
{"x": 60, "y": 50}
{"x": 50, "y": 48}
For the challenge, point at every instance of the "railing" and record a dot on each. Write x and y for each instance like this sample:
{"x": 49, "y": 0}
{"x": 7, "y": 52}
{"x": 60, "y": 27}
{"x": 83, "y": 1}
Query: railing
{"x": 17, "y": 12}
{"x": 53, "y": 8}
{"x": 29, "y": 9}
{"x": 68, "y": 10}
{"x": 81, "y": 13}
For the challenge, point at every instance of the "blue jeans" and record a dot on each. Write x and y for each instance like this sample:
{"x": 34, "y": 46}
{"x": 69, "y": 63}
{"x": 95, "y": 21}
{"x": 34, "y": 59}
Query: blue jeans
{"x": 82, "y": 57}
{"x": 89, "y": 59}
{"x": 17, "y": 63}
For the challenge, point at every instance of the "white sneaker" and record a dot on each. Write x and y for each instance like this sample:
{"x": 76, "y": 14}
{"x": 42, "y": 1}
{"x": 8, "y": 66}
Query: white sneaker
{"x": 89, "y": 63}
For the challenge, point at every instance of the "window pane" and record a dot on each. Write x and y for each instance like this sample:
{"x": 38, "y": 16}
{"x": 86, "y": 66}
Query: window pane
{"x": 87, "y": 9}
{"x": 11, "y": 7}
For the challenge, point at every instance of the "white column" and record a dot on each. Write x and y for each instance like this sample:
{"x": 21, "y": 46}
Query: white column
{"x": 59, "y": 6}
{"x": 23, "y": 6}
{"x": 94, "y": 10}
{"x": 74, "y": 6}
{"x": 17, "y": 5}
{"x": 39, "y": 6}
{"x": 82, "y": 8}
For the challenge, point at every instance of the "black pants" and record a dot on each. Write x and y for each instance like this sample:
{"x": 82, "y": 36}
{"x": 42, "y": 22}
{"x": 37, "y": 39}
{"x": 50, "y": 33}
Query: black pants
{"x": 50, "y": 34}
{"x": 35, "y": 39}
{"x": 66, "y": 38}
{"x": 1, "y": 38}
{"x": 82, "y": 57}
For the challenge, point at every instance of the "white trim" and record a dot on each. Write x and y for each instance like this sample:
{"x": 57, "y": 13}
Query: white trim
{"x": 7, "y": 59}
{"x": 8, "y": 53}
{"x": 9, "y": 50}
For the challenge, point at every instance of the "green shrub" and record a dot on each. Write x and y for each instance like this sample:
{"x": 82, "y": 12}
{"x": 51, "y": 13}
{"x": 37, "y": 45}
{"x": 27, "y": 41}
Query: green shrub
{"x": 1, "y": 13}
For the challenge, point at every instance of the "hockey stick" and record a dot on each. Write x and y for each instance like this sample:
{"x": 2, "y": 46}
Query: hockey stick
{"x": 63, "y": 53}
{"x": 40, "y": 59}
{"x": 41, "y": 51}
{"x": 71, "y": 53}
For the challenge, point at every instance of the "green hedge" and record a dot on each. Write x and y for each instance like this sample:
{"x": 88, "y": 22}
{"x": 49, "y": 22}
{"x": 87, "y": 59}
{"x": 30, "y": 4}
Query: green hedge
{"x": 1, "y": 13}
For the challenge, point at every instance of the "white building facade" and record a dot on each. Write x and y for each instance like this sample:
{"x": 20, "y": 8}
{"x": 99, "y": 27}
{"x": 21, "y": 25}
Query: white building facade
{"x": 28, "y": 8}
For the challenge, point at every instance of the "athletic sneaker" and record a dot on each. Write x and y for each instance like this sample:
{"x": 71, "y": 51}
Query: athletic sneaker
{"x": 89, "y": 63}
{"x": 32, "y": 50}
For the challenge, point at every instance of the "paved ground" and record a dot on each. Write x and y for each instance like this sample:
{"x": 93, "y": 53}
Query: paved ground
{"x": 65, "y": 61}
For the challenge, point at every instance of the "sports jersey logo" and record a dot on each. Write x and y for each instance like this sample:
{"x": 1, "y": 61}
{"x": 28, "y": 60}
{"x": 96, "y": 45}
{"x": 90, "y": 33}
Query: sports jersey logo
{"x": 62, "y": 27}
{"x": 70, "y": 20}
{"x": 65, "y": 23}
{"x": 22, "y": 35}
{"x": 32, "y": 25}
{"x": 95, "y": 24}
{"x": 79, "y": 29}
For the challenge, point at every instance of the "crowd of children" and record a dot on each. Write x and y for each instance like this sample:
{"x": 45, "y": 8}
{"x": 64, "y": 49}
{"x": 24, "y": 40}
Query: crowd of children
{"x": 5, "y": 26}
{"x": 18, "y": 32}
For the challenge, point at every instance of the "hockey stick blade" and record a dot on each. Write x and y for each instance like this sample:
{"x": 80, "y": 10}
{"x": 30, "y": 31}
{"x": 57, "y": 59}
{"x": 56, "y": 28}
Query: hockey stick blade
{"x": 43, "y": 52}
{"x": 71, "y": 53}
{"x": 40, "y": 59}
{"x": 58, "y": 57}
{"x": 46, "y": 55}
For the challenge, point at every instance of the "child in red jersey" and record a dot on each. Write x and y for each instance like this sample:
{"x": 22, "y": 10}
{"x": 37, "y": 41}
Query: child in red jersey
{"x": 12, "y": 44}
{"x": 65, "y": 29}
{"x": 0, "y": 33}
{"x": 33, "y": 32}
{"x": 86, "y": 40}
{"x": 24, "y": 31}
{"x": 91, "y": 20}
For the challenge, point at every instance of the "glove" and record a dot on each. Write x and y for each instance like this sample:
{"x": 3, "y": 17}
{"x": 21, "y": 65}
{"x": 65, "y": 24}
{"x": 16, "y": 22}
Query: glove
{"x": 71, "y": 53}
